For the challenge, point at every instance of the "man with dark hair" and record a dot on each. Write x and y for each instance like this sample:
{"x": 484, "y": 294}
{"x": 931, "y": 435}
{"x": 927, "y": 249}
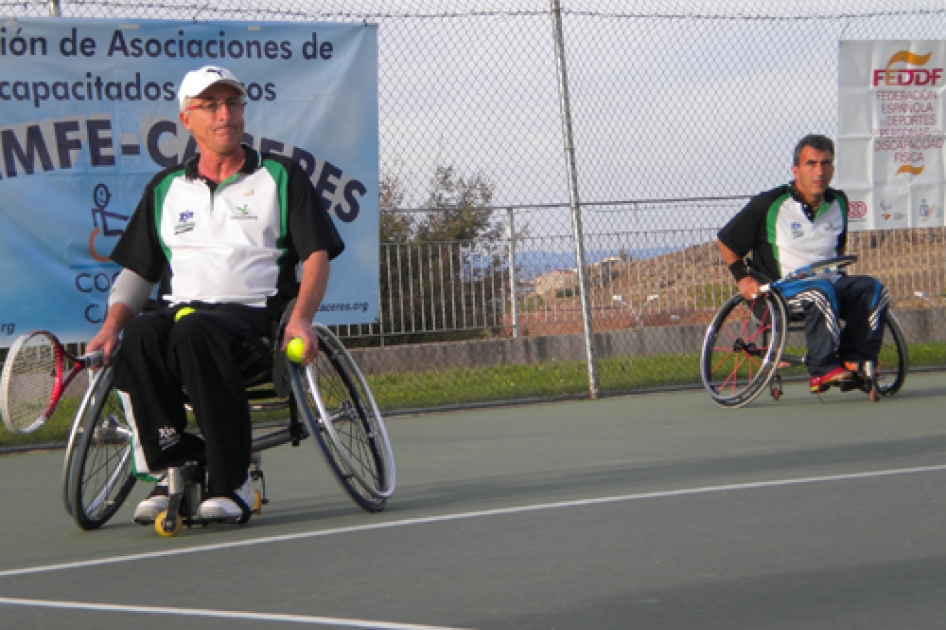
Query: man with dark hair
{"x": 816, "y": 142}
{"x": 223, "y": 234}
{"x": 798, "y": 224}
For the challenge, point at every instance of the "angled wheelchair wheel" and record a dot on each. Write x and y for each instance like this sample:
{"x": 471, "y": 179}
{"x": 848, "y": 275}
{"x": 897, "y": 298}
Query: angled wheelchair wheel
{"x": 742, "y": 347}
{"x": 892, "y": 362}
{"x": 99, "y": 458}
{"x": 341, "y": 413}
{"x": 75, "y": 437}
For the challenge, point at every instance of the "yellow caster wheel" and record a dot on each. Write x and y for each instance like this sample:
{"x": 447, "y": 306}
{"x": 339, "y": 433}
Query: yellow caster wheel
{"x": 167, "y": 529}
{"x": 257, "y": 506}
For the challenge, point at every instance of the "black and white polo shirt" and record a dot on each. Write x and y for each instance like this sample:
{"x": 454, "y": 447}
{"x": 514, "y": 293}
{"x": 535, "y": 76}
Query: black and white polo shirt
{"x": 236, "y": 242}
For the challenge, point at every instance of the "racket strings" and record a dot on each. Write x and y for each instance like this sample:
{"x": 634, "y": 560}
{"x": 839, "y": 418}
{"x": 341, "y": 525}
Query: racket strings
{"x": 35, "y": 373}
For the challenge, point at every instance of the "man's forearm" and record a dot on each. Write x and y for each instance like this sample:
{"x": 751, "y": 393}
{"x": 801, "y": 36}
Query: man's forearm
{"x": 119, "y": 314}
{"x": 729, "y": 256}
{"x": 315, "y": 275}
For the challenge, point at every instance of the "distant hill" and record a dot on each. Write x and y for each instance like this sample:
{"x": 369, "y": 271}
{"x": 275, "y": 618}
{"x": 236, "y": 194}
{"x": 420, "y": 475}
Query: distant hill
{"x": 533, "y": 263}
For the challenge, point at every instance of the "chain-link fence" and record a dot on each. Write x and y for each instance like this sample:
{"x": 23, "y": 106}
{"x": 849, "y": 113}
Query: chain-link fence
{"x": 679, "y": 111}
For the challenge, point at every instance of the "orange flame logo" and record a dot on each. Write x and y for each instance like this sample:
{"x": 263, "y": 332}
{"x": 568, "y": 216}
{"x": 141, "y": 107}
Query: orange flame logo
{"x": 911, "y": 170}
{"x": 909, "y": 58}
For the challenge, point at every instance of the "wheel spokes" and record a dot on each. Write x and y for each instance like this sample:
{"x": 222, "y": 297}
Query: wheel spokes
{"x": 741, "y": 356}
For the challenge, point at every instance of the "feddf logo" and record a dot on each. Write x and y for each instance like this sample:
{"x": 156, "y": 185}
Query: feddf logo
{"x": 912, "y": 75}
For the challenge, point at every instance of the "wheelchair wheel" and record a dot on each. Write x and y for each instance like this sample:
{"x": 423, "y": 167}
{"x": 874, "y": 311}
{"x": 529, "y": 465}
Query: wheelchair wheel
{"x": 75, "y": 436}
{"x": 341, "y": 413}
{"x": 99, "y": 461}
{"x": 742, "y": 348}
{"x": 893, "y": 362}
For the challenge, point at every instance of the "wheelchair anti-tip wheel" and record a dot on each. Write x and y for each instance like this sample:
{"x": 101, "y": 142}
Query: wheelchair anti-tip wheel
{"x": 742, "y": 347}
{"x": 341, "y": 413}
{"x": 98, "y": 475}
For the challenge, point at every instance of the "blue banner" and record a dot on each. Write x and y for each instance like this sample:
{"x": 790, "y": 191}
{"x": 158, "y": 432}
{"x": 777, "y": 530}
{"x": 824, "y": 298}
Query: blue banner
{"x": 89, "y": 113}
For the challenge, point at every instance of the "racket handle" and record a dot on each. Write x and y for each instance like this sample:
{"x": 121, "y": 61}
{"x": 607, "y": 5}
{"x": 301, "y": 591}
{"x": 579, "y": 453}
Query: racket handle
{"x": 92, "y": 359}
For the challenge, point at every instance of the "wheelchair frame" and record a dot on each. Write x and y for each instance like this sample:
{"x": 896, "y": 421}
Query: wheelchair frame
{"x": 329, "y": 399}
{"x": 743, "y": 349}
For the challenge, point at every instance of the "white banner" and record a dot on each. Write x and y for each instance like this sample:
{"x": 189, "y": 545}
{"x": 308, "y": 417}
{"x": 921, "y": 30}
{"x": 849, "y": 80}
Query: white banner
{"x": 890, "y": 133}
{"x": 89, "y": 113}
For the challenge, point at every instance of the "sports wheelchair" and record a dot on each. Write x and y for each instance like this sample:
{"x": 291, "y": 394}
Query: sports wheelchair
{"x": 744, "y": 348}
{"x": 327, "y": 399}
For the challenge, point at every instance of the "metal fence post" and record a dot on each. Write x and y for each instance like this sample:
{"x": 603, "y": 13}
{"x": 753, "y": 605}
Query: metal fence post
{"x": 513, "y": 281}
{"x": 54, "y": 10}
{"x": 573, "y": 197}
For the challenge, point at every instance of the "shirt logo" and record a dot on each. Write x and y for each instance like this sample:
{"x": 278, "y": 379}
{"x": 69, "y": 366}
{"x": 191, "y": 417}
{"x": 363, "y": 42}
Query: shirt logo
{"x": 797, "y": 232}
{"x": 243, "y": 213}
{"x": 185, "y": 222}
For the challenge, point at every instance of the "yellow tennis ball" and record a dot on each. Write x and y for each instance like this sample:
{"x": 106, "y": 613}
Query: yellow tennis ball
{"x": 182, "y": 313}
{"x": 295, "y": 350}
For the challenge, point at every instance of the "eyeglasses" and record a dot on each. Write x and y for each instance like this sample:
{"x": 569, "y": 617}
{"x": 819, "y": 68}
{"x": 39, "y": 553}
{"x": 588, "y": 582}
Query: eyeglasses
{"x": 212, "y": 107}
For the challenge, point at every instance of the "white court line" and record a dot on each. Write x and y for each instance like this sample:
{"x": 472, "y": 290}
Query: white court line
{"x": 479, "y": 514}
{"x": 220, "y": 614}
{"x": 378, "y": 625}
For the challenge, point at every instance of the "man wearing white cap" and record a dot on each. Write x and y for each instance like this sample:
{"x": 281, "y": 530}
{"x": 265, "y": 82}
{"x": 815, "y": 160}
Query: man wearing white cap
{"x": 222, "y": 235}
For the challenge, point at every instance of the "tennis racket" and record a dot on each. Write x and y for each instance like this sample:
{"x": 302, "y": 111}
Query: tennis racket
{"x": 36, "y": 372}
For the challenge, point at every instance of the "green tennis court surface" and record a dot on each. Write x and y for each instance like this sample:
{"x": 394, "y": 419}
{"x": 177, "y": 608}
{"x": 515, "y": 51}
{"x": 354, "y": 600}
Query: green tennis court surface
{"x": 657, "y": 511}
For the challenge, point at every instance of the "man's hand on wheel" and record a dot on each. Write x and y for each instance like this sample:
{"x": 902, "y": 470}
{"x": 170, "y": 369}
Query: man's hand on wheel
{"x": 749, "y": 288}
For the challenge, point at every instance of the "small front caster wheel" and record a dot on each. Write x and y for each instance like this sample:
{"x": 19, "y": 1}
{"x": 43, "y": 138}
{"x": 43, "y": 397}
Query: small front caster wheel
{"x": 166, "y": 527}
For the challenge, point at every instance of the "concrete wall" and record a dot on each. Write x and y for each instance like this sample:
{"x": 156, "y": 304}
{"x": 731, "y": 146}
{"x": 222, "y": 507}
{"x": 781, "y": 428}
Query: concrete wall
{"x": 917, "y": 324}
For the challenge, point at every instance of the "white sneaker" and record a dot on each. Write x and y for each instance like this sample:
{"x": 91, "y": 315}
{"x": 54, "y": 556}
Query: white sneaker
{"x": 225, "y": 508}
{"x": 156, "y": 502}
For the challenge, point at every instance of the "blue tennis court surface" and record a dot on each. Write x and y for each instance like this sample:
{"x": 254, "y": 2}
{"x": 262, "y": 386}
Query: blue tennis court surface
{"x": 656, "y": 511}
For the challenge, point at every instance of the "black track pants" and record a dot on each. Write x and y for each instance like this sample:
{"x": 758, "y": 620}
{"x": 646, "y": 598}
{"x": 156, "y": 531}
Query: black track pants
{"x": 208, "y": 353}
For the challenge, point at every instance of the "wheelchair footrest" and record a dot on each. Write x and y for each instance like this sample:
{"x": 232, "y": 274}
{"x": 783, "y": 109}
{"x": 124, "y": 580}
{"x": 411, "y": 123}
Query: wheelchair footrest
{"x": 186, "y": 491}
{"x": 859, "y": 382}
{"x": 791, "y": 359}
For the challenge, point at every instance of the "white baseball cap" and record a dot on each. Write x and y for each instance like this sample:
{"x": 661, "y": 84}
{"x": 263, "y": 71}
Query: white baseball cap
{"x": 196, "y": 81}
